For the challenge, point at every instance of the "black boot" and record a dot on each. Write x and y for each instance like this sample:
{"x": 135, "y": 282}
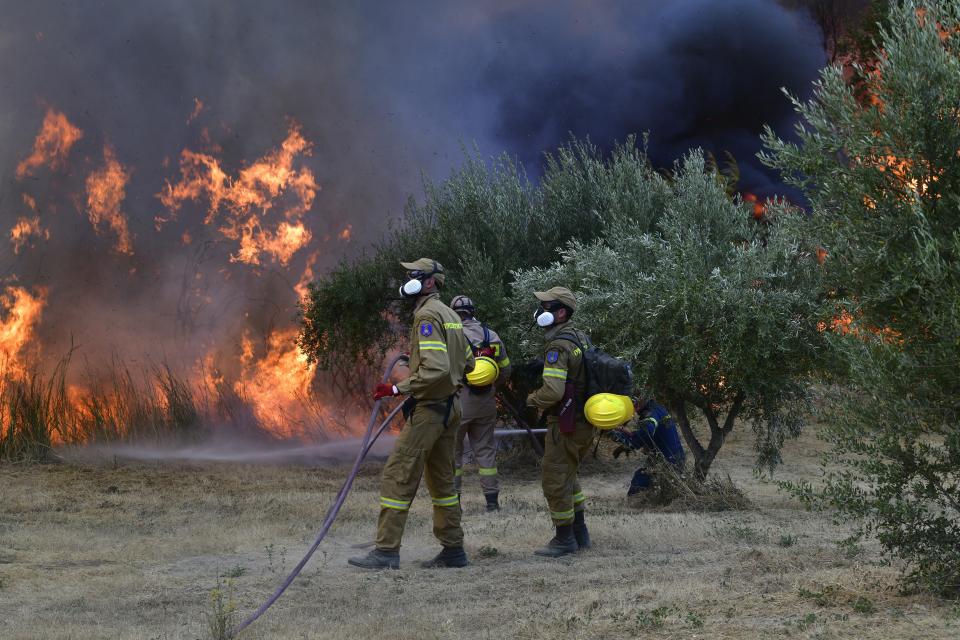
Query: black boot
{"x": 450, "y": 557}
{"x": 580, "y": 531}
{"x": 493, "y": 502}
{"x": 562, "y": 544}
{"x": 377, "y": 559}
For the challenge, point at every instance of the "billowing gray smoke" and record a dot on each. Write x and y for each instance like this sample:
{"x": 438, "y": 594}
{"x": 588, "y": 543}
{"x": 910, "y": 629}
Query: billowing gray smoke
{"x": 383, "y": 91}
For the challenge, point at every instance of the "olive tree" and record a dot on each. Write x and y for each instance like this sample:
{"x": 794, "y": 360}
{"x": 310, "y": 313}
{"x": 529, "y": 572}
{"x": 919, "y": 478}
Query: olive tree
{"x": 880, "y": 165}
{"x": 716, "y": 312}
{"x": 484, "y": 222}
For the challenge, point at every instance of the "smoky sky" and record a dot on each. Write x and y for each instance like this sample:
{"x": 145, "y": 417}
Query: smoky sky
{"x": 691, "y": 73}
{"x": 386, "y": 92}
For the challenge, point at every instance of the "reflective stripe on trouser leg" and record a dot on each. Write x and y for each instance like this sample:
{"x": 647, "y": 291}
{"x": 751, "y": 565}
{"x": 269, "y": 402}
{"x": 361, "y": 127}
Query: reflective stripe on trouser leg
{"x": 398, "y": 486}
{"x": 413, "y": 451}
{"x": 561, "y": 460}
{"x": 579, "y": 501}
{"x": 440, "y": 476}
{"x": 479, "y": 423}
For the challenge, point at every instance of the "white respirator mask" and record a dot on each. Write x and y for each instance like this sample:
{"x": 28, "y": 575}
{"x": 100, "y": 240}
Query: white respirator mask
{"x": 414, "y": 286}
{"x": 544, "y": 318}
{"x": 411, "y": 288}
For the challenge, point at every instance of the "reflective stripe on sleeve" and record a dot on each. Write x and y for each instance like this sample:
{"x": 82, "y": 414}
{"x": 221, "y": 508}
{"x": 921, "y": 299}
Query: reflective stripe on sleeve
{"x": 505, "y": 363}
{"x": 432, "y": 345}
{"x": 390, "y": 503}
{"x": 450, "y": 501}
{"x": 548, "y": 372}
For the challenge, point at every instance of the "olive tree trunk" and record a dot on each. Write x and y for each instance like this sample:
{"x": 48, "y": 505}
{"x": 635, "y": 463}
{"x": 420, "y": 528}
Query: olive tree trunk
{"x": 703, "y": 456}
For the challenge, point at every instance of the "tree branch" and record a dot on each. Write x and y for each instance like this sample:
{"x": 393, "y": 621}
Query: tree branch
{"x": 679, "y": 409}
{"x": 733, "y": 412}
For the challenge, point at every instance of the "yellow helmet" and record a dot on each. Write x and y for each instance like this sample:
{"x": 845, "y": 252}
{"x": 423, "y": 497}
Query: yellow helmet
{"x": 484, "y": 373}
{"x": 608, "y": 410}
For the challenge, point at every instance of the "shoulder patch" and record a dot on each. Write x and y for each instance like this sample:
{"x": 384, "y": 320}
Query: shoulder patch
{"x": 552, "y": 356}
{"x": 426, "y": 329}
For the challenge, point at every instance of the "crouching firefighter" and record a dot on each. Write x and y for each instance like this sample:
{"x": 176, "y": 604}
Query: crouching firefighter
{"x": 439, "y": 356}
{"x": 655, "y": 433}
{"x": 569, "y": 435}
{"x": 479, "y": 400}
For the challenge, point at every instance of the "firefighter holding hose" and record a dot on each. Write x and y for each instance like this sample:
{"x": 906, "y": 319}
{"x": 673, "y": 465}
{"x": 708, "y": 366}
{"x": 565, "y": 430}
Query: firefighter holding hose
{"x": 562, "y": 397}
{"x": 439, "y": 357}
{"x": 479, "y": 401}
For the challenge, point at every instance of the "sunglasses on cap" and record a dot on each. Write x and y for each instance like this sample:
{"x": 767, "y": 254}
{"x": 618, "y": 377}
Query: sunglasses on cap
{"x": 417, "y": 274}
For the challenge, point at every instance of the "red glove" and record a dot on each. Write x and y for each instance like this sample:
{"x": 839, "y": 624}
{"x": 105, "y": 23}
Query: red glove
{"x": 487, "y": 351}
{"x": 385, "y": 391}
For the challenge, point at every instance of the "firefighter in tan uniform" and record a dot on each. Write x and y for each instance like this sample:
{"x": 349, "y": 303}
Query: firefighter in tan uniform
{"x": 479, "y": 403}
{"x": 569, "y": 435}
{"x": 439, "y": 356}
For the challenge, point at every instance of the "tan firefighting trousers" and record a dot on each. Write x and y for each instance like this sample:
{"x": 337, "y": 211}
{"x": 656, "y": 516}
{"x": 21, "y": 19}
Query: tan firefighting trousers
{"x": 478, "y": 423}
{"x": 561, "y": 460}
{"x": 423, "y": 445}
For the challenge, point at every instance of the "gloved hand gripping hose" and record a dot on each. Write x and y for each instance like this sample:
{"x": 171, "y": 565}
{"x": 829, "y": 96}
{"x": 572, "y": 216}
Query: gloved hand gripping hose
{"x": 368, "y": 439}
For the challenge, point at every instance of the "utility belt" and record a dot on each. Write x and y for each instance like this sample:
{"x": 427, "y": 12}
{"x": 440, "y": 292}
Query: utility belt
{"x": 443, "y": 407}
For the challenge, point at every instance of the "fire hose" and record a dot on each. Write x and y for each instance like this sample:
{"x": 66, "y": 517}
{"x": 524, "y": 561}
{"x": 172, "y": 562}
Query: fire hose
{"x": 369, "y": 437}
{"x": 537, "y": 447}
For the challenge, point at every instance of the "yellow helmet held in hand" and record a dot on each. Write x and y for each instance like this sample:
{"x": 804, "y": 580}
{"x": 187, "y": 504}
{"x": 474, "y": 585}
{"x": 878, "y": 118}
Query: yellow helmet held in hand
{"x": 484, "y": 373}
{"x": 608, "y": 410}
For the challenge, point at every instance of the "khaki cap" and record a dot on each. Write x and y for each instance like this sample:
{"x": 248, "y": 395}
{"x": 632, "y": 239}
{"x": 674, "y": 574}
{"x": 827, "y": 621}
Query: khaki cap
{"x": 426, "y": 265}
{"x": 558, "y": 294}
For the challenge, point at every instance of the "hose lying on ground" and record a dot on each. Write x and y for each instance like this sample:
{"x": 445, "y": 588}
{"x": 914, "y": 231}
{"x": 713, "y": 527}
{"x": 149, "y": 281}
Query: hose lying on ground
{"x": 368, "y": 439}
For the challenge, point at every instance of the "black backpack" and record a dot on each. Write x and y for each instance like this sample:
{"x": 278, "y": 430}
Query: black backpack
{"x": 605, "y": 373}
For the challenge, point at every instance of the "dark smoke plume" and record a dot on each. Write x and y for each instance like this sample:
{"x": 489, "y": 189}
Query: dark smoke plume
{"x": 382, "y": 90}
{"x": 690, "y": 72}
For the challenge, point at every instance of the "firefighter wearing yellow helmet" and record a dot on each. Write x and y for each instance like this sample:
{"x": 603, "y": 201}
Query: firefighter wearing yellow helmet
{"x": 439, "y": 357}
{"x": 562, "y": 396}
{"x": 479, "y": 400}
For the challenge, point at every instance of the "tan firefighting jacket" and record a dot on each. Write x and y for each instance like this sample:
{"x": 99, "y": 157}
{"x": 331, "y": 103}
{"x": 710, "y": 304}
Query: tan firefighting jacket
{"x": 562, "y": 361}
{"x": 439, "y": 353}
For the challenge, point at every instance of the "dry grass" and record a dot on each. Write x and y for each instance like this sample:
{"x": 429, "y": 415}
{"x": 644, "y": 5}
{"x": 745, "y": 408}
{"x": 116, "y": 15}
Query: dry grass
{"x": 133, "y": 551}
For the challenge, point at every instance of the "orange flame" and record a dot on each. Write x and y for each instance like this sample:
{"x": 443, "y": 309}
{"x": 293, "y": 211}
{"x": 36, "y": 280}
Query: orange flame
{"x": 106, "y": 190}
{"x": 845, "y": 324}
{"x": 19, "y": 315}
{"x": 30, "y": 202}
{"x": 277, "y": 383}
{"x": 308, "y": 276}
{"x": 759, "y": 208}
{"x": 57, "y": 136}
{"x": 197, "y": 110}
{"x": 26, "y": 228}
{"x": 270, "y": 183}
